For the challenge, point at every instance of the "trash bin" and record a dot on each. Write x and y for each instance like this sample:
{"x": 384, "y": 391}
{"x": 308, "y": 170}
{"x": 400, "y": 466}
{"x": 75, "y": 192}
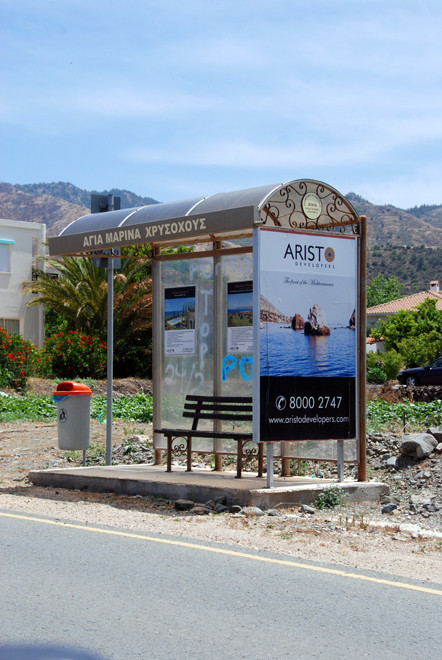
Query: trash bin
{"x": 73, "y": 415}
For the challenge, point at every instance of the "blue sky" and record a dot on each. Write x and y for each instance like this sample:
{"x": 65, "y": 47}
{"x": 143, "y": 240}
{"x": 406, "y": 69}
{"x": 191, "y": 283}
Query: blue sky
{"x": 174, "y": 99}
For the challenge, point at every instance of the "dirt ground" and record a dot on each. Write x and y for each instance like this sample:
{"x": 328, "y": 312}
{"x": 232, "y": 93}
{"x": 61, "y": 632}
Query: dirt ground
{"x": 350, "y": 537}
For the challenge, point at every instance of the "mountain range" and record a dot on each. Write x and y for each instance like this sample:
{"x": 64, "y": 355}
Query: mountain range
{"x": 406, "y": 243}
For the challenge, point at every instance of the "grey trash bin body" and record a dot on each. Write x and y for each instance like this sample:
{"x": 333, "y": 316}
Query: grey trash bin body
{"x": 73, "y": 415}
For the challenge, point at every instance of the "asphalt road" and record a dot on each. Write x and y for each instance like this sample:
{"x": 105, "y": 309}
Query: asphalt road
{"x": 128, "y": 596}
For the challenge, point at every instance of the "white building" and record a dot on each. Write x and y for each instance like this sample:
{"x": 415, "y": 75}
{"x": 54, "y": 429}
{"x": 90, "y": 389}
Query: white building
{"x": 21, "y": 245}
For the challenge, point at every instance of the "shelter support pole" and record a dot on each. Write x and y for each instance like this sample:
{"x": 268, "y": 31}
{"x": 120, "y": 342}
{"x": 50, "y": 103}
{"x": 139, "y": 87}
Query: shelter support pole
{"x": 157, "y": 351}
{"x": 362, "y": 329}
{"x": 218, "y": 345}
{"x": 285, "y": 459}
{"x": 270, "y": 465}
{"x": 110, "y": 356}
{"x": 340, "y": 460}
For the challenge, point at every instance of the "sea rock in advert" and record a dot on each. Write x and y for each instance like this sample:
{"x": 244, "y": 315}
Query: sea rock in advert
{"x": 315, "y": 324}
{"x": 297, "y": 322}
{"x": 352, "y": 321}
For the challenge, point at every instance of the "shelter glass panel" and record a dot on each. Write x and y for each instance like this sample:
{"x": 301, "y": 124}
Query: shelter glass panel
{"x": 187, "y": 312}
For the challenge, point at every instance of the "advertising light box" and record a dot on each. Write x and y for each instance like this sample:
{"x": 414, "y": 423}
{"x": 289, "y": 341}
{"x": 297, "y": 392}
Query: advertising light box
{"x": 307, "y": 335}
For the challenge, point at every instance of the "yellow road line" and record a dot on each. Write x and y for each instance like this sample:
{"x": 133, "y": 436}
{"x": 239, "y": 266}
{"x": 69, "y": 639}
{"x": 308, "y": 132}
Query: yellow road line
{"x": 231, "y": 553}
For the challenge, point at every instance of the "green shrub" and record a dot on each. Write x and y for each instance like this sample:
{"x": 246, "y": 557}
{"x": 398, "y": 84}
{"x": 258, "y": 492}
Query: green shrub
{"x": 393, "y": 363}
{"x": 18, "y": 360}
{"x": 329, "y": 498}
{"x": 134, "y": 358}
{"x": 73, "y": 355}
{"x": 388, "y": 363}
{"x": 376, "y": 376}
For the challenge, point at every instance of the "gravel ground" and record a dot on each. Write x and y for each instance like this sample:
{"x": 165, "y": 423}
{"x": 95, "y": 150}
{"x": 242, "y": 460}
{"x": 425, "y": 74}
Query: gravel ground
{"x": 407, "y": 542}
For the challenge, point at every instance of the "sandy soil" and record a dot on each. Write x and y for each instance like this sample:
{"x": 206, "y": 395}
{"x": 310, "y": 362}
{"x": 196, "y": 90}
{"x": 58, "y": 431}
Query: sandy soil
{"x": 352, "y": 536}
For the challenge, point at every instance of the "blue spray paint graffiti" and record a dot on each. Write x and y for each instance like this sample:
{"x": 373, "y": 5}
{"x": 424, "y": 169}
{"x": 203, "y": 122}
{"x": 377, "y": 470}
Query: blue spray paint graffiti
{"x": 245, "y": 367}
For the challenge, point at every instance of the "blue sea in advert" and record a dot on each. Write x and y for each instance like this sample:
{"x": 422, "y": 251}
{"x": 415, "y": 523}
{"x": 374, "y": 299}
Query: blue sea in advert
{"x": 287, "y": 352}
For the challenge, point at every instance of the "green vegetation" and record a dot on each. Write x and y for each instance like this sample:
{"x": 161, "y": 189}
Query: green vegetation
{"x": 330, "y": 498}
{"x": 382, "y": 290}
{"x": 136, "y": 408}
{"x": 383, "y": 366}
{"x": 416, "y": 335}
{"x": 412, "y": 267}
{"x": 383, "y": 416}
{"x": 71, "y": 354}
{"x": 76, "y": 307}
{"x": 18, "y": 360}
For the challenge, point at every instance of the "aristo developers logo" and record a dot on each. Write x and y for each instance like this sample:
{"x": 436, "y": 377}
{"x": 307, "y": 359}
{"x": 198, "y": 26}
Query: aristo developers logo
{"x": 316, "y": 256}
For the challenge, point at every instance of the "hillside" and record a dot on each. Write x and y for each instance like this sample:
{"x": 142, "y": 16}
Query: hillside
{"x": 406, "y": 244}
{"x": 55, "y": 204}
{"x": 390, "y": 226}
{"x": 413, "y": 267}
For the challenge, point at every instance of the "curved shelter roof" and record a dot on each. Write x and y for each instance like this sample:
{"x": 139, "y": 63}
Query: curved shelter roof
{"x": 302, "y": 204}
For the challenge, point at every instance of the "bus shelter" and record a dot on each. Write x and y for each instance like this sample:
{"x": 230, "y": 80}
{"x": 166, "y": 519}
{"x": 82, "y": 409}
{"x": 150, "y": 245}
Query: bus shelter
{"x": 268, "y": 302}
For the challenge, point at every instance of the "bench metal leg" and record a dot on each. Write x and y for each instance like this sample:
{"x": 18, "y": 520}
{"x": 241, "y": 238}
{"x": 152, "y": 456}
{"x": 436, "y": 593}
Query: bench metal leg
{"x": 239, "y": 459}
{"x": 189, "y": 453}
{"x": 260, "y": 459}
{"x": 169, "y": 453}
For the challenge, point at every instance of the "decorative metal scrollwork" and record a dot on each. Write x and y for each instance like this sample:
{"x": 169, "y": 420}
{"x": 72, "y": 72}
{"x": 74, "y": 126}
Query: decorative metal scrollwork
{"x": 249, "y": 452}
{"x": 179, "y": 448}
{"x": 309, "y": 205}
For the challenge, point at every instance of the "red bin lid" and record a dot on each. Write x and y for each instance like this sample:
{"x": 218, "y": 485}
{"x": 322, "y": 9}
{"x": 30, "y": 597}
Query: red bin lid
{"x": 68, "y": 389}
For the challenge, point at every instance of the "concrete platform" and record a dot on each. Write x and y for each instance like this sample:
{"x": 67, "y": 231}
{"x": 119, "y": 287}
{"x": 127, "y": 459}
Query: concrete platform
{"x": 202, "y": 485}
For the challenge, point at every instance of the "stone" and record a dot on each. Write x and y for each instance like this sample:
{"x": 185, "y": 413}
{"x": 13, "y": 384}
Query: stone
{"x": 390, "y": 499}
{"x": 392, "y": 462}
{"x": 221, "y": 508}
{"x": 252, "y": 511}
{"x": 419, "y": 445}
{"x": 389, "y": 508}
{"x": 184, "y": 505}
{"x": 436, "y": 433}
{"x": 432, "y": 508}
{"x": 200, "y": 510}
{"x": 235, "y": 508}
{"x": 307, "y": 509}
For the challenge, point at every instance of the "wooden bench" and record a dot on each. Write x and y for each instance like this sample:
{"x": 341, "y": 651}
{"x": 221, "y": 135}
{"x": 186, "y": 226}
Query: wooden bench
{"x": 224, "y": 408}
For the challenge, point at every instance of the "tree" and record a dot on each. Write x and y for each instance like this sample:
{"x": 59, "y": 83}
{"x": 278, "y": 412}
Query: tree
{"x": 415, "y": 334}
{"x": 382, "y": 290}
{"x": 79, "y": 295}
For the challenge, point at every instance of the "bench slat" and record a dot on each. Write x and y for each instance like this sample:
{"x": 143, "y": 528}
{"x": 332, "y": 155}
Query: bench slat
{"x": 214, "y": 407}
{"x": 219, "y": 399}
{"x": 226, "y": 416}
{"x": 177, "y": 433}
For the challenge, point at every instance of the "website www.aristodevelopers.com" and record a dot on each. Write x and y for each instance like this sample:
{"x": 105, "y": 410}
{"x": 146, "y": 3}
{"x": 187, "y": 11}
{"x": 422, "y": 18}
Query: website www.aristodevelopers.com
{"x": 305, "y": 419}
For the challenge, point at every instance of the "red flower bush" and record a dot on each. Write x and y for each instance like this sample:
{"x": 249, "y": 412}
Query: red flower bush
{"x": 18, "y": 360}
{"x": 70, "y": 354}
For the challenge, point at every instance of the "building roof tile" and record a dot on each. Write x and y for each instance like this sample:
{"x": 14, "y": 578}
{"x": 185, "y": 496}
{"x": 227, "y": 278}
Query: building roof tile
{"x": 406, "y": 303}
